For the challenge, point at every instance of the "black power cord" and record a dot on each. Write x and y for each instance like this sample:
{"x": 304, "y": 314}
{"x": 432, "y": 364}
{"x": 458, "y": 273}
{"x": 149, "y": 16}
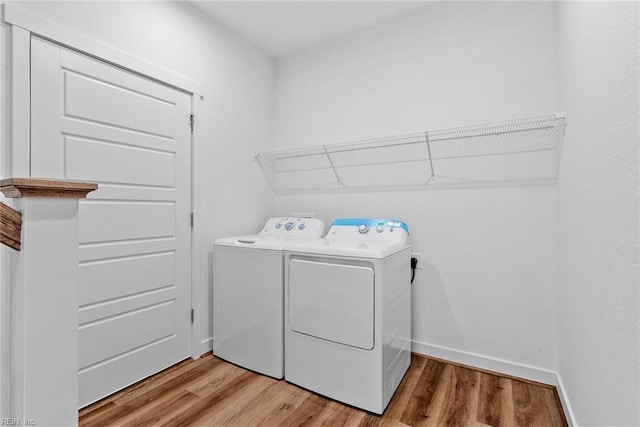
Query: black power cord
{"x": 414, "y": 264}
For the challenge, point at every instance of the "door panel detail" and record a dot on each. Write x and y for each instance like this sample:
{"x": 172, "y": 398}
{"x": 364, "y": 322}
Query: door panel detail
{"x": 95, "y": 122}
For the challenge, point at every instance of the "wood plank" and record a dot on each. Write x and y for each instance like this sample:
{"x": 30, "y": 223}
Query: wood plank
{"x": 243, "y": 406}
{"x": 165, "y": 398}
{"x": 207, "y": 406}
{"x": 99, "y": 413}
{"x": 271, "y": 406}
{"x": 406, "y": 388}
{"x": 555, "y": 407}
{"x": 175, "y": 371}
{"x": 289, "y": 399}
{"x": 531, "y": 406}
{"x": 461, "y": 399}
{"x": 422, "y": 404}
{"x": 495, "y": 406}
{"x": 225, "y": 373}
{"x": 310, "y": 408}
{"x": 145, "y": 398}
{"x": 435, "y": 412}
{"x": 336, "y": 413}
{"x": 210, "y": 392}
{"x": 229, "y": 409}
{"x": 164, "y": 406}
{"x": 158, "y": 414}
{"x": 385, "y": 422}
{"x": 488, "y": 371}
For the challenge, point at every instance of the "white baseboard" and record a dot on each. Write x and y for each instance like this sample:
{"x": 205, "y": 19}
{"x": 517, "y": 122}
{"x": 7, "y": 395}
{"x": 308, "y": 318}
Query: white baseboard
{"x": 564, "y": 400}
{"x": 486, "y": 362}
{"x": 500, "y": 366}
{"x": 206, "y": 345}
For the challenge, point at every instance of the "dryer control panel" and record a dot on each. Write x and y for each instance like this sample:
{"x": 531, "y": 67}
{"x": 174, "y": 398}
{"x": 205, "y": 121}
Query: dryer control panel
{"x": 291, "y": 227}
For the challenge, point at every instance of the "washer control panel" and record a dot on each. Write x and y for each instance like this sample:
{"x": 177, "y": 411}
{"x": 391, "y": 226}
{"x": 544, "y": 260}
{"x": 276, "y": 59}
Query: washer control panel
{"x": 368, "y": 229}
{"x": 294, "y": 228}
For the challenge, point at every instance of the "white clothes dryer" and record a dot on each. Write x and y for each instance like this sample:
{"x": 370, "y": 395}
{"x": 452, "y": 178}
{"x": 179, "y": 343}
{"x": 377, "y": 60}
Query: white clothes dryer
{"x": 248, "y": 295}
{"x": 348, "y": 312}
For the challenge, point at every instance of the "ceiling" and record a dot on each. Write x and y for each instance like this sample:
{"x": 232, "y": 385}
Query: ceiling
{"x": 283, "y": 27}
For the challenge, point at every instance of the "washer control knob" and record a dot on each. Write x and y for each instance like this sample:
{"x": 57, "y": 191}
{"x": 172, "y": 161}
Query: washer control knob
{"x": 278, "y": 226}
{"x": 363, "y": 229}
{"x": 379, "y": 228}
{"x": 288, "y": 226}
{"x": 301, "y": 226}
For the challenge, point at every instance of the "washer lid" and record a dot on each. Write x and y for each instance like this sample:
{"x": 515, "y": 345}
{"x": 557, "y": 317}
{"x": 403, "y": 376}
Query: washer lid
{"x": 254, "y": 241}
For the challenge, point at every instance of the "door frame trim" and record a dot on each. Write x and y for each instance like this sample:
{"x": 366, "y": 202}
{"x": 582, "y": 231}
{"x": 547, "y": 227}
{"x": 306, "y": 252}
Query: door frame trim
{"x": 22, "y": 25}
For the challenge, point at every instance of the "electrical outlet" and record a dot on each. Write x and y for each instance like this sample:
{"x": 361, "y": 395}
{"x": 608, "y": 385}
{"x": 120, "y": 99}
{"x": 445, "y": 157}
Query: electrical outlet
{"x": 418, "y": 256}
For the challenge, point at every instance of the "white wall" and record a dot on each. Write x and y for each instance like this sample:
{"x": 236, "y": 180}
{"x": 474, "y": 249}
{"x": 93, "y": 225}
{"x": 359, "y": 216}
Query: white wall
{"x": 238, "y": 82}
{"x": 5, "y": 305}
{"x": 599, "y": 348}
{"x": 488, "y": 288}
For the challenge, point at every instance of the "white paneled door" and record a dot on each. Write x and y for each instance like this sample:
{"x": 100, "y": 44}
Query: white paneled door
{"x": 95, "y": 122}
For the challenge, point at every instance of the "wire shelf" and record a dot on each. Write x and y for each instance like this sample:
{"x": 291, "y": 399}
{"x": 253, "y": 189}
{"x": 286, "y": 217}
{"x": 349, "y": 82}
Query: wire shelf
{"x": 514, "y": 151}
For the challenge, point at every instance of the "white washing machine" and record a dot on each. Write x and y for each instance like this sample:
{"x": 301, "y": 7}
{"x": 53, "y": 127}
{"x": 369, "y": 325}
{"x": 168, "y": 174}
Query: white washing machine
{"x": 248, "y": 281}
{"x": 348, "y": 312}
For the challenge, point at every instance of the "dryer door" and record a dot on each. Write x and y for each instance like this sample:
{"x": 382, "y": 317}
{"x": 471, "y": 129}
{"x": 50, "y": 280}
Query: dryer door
{"x": 332, "y": 301}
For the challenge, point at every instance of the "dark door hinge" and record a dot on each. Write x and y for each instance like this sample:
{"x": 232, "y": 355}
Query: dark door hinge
{"x": 193, "y": 315}
{"x": 192, "y": 219}
{"x": 192, "y": 120}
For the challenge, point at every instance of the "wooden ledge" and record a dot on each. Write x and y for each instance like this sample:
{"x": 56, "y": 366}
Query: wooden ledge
{"x": 37, "y": 187}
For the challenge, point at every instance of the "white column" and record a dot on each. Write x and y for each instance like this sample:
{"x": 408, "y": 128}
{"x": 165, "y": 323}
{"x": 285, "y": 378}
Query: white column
{"x": 44, "y": 294}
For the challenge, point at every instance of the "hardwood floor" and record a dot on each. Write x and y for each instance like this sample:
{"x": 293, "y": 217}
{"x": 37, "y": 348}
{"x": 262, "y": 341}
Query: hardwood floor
{"x": 212, "y": 392}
